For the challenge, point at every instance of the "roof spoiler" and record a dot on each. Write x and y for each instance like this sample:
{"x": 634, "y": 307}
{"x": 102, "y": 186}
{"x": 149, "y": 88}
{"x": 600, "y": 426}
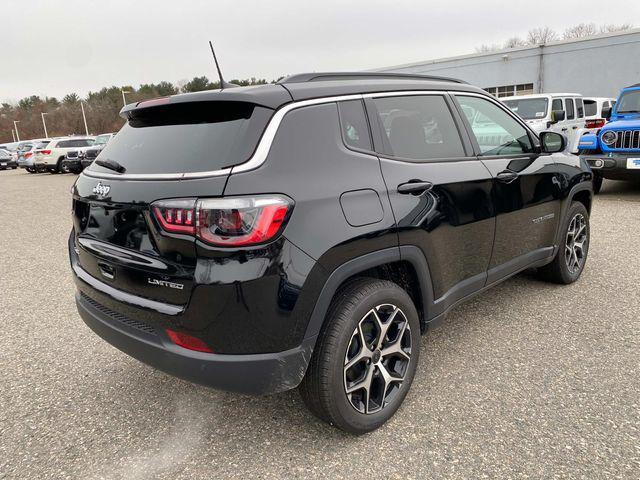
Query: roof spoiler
{"x": 314, "y": 77}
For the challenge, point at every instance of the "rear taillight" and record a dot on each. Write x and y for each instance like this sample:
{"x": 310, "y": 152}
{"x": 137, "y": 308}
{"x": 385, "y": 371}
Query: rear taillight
{"x": 595, "y": 123}
{"x": 226, "y": 222}
{"x": 187, "y": 341}
{"x": 28, "y": 154}
{"x": 176, "y": 216}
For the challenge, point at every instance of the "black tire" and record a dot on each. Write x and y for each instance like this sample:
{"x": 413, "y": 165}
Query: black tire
{"x": 14, "y": 168}
{"x": 597, "y": 182}
{"x": 564, "y": 270}
{"x": 324, "y": 387}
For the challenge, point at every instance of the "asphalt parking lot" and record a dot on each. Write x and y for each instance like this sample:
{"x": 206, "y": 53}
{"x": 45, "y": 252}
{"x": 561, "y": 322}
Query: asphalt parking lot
{"x": 528, "y": 380}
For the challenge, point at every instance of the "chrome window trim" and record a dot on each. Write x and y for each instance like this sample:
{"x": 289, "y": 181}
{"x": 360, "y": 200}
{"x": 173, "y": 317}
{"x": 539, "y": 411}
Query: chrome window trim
{"x": 264, "y": 145}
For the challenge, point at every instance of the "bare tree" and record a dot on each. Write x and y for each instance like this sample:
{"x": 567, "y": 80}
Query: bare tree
{"x": 615, "y": 28}
{"x": 580, "y": 31}
{"x": 514, "y": 42}
{"x": 541, "y": 35}
{"x": 484, "y": 48}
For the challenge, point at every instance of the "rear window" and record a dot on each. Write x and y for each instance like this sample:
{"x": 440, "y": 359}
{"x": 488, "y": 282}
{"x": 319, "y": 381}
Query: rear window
{"x": 40, "y": 145}
{"x": 590, "y": 108}
{"x": 187, "y": 137}
{"x": 84, "y": 142}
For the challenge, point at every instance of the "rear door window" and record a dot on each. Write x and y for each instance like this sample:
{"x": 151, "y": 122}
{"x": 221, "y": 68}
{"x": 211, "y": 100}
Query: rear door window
{"x": 187, "y": 137}
{"x": 419, "y": 127}
{"x": 570, "y": 109}
{"x": 579, "y": 108}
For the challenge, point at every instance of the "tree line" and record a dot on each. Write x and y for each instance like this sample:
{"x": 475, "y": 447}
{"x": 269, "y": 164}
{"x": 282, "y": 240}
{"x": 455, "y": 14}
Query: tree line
{"x": 543, "y": 35}
{"x": 64, "y": 116}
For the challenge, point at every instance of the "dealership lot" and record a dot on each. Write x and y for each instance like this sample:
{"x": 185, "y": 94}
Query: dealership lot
{"x": 526, "y": 380}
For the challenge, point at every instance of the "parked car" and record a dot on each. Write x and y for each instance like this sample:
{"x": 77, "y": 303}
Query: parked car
{"x": 6, "y": 160}
{"x": 26, "y": 151}
{"x": 91, "y": 153}
{"x": 258, "y": 239}
{"x": 50, "y": 159}
{"x": 614, "y": 152}
{"x": 556, "y": 112}
{"x": 10, "y": 147}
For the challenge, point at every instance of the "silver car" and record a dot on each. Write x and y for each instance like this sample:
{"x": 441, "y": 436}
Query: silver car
{"x": 26, "y": 153}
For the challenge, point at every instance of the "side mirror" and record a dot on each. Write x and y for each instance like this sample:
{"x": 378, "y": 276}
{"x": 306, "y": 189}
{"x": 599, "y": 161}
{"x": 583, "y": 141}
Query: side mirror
{"x": 557, "y": 116}
{"x": 552, "y": 142}
{"x": 606, "y": 113}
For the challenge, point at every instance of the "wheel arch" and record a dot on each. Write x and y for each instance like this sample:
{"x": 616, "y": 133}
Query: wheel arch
{"x": 406, "y": 266}
{"x": 583, "y": 193}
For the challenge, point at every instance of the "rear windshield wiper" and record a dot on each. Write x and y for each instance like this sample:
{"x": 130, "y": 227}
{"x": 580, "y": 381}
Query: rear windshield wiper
{"x": 111, "y": 165}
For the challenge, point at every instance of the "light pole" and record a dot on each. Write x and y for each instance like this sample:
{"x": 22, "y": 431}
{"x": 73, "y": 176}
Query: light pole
{"x": 15, "y": 125}
{"x": 44, "y": 124}
{"x": 13, "y": 135}
{"x": 124, "y": 100}
{"x": 84, "y": 118}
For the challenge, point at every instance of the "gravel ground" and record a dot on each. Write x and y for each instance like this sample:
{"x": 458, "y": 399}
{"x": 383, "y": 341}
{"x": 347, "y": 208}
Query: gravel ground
{"x": 528, "y": 380}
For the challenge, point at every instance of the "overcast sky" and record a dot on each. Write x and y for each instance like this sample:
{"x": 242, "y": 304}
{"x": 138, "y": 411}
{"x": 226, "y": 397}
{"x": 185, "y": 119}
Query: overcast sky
{"x": 51, "y": 48}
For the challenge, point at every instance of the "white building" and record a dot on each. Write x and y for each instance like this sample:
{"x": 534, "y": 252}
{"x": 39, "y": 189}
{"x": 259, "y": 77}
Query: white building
{"x": 596, "y": 66}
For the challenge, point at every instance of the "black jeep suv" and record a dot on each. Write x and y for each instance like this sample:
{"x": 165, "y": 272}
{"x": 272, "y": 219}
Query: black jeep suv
{"x": 304, "y": 234}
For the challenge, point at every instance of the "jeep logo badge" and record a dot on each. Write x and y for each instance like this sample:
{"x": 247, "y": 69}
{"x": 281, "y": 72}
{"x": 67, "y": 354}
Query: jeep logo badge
{"x": 101, "y": 190}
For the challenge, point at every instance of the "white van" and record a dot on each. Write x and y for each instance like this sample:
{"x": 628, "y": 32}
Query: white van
{"x": 557, "y": 112}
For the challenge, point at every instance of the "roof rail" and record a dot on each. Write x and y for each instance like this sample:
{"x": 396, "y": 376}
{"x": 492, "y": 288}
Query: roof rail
{"x": 632, "y": 86}
{"x": 313, "y": 77}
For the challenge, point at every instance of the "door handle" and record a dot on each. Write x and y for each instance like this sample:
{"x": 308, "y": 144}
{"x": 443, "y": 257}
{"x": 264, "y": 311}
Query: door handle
{"x": 575, "y": 127}
{"x": 564, "y": 129}
{"x": 414, "y": 187}
{"x": 506, "y": 176}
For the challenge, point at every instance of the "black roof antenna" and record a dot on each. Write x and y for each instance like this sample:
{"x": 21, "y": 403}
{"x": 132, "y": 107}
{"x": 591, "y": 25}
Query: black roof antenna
{"x": 223, "y": 84}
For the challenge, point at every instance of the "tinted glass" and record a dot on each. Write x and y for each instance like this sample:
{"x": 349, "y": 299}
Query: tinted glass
{"x": 579, "y": 108}
{"x": 74, "y": 143}
{"x": 590, "y": 108}
{"x": 570, "y": 110}
{"x": 496, "y": 132}
{"x": 529, "y": 108}
{"x": 557, "y": 104}
{"x": 187, "y": 137}
{"x": 43, "y": 144}
{"x": 355, "y": 129}
{"x": 419, "y": 127}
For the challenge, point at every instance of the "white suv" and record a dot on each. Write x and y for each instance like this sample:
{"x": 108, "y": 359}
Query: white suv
{"x": 557, "y": 112}
{"x": 50, "y": 158}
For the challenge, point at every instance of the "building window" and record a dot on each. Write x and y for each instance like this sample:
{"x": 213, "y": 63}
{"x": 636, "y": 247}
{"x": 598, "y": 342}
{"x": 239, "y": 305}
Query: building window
{"x": 511, "y": 90}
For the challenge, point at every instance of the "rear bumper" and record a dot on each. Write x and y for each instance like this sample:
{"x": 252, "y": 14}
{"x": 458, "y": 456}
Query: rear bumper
{"x": 255, "y": 374}
{"x": 613, "y": 166}
{"x": 8, "y": 164}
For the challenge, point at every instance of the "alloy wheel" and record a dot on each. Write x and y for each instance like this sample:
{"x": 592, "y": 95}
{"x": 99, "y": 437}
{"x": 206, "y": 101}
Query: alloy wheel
{"x": 377, "y": 358}
{"x": 576, "y": 243}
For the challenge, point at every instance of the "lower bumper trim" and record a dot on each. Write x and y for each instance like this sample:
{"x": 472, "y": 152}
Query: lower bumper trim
{"x": 256, "y": 374}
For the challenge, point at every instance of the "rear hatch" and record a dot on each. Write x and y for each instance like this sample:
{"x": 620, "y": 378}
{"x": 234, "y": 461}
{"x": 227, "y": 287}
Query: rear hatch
{"x": 167, "y": 153}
